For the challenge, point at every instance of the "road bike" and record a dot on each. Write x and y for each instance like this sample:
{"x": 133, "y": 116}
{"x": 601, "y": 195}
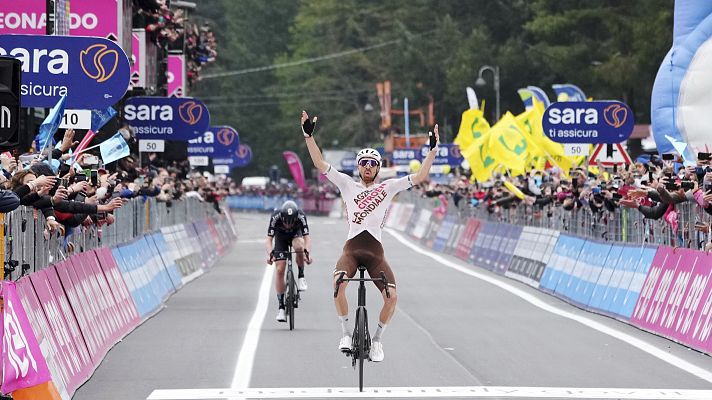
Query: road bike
{"x": 361, "y": 339}
{"x": 291, "y": 294}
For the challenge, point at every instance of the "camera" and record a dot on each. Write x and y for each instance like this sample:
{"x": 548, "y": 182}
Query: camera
{"x": 668, "y": 157}
{"x": 704, "y": 156}
{"x": 687, "y": 185}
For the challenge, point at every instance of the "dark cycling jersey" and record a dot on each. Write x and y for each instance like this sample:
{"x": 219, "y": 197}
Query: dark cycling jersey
{"x": 276, "y": 226}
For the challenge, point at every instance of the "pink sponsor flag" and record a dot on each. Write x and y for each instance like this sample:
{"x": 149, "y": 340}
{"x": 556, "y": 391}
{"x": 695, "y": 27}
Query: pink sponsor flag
{"x": 23, "y": 365}
{"x": 176, "y": 75}
{"x": 295, "y": 165}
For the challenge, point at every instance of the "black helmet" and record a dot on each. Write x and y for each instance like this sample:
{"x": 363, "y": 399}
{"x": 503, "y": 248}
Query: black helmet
{"x": 289, "y": 212}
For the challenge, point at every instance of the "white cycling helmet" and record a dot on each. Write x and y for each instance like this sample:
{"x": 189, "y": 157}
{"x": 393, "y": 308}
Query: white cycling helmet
{"x": 368, "y": 153}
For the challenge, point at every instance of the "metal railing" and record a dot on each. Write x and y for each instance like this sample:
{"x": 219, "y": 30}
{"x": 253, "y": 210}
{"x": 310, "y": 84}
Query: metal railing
{"x": 28, "y": 246}
{"x": 622, "y": 225}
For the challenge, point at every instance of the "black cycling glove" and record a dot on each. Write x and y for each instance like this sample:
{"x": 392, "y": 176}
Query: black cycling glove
{"x": 433, "y": 140}
{"x": 308, "y": 127}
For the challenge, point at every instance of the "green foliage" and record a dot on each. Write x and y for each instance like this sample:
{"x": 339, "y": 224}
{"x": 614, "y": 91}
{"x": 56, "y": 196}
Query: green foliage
{"x": 610, "y": 48}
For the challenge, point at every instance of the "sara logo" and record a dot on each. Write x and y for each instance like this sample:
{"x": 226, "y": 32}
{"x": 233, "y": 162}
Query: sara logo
{"x": 99, "y": 62}
{"x": 242, "y": 152}
{"x": 226, "y": 136}
{"x": 615, "y": 115}
{"x": 190, "y": 112}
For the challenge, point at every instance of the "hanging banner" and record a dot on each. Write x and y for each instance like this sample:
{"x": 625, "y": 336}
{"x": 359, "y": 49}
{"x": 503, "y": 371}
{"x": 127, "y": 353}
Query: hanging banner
{"x": 138, "y": 52}
{"x": 588, "y": 122}
{"x": 92, "y": 72}
{"x": 295, "y": 166}
{"x": 176, "y": 75}
{"x": 219, "y": 143}
{"x": 23, "y": 17}
{"x": 167, "y": 118}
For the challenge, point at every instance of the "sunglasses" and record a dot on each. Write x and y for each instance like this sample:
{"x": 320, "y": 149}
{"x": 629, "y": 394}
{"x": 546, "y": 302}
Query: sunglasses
{"x": 368, "y": 163}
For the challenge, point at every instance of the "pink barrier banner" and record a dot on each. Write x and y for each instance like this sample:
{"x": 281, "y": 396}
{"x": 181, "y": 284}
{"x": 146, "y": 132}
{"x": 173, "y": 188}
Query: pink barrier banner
{"x": 45, "y": 337}
{"x": 23, "y": 363}
{"x": 83, "y": 311}
{"x": 106, "y": 299}
{"x": 125, "y": 304}
{"x": 216, "y": 237}
{"x": 176, "y": 75}
{"x": 102, "y": 322}
{"x": 648, "y": 311}
{"x": 23, "y": 17}
{"x": 695, "y": 320}
{"x": 72, "y": 368}
{"x": 94, "y": 18}
{"x": 71, "y": 321}
{"x": 464, "y": 246}
{"x": 295, "y": 166}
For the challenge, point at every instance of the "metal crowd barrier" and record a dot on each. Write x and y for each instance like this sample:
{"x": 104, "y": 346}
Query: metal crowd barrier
{"x": 622, "y": 225}
{"x": 29, "y": 247}
{"x": 310, "y": 205}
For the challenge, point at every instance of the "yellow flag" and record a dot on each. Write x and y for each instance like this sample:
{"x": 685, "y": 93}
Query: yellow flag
{"x": 473, "y": 125}
{"x": 481, "y": 164}
{"x": 509, "y": 146}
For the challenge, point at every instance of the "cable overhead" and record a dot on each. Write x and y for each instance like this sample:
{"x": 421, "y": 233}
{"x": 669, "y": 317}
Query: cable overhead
{"x": 308, "y": 60}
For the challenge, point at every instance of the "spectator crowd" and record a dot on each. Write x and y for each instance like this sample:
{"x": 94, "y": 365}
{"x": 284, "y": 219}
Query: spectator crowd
{"x": 656, "y": 188}
{"x": 78, "y": 191}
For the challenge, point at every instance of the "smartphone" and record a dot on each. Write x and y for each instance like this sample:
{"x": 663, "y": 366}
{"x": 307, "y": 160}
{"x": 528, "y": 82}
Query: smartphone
{"x": 91, "y": 160}
{"x": 615, "y": 168}
{"x": 668, "y": 157}
{"x": 687, "y": 185}
{"x": 650, "y": 176}
{"x": 596, "y": 190}
{"x": 94, "y": 177}
{"x": 432, "y": 141}
{"x": 704, "y": 156}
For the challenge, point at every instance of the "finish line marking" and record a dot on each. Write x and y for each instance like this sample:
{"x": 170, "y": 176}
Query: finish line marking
{"x": 622, "y": 336}
{"x": 437, "y": 392}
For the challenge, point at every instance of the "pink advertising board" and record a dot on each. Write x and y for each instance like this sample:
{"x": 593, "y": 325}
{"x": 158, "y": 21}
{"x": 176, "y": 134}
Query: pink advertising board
{"x": 23, "y": 364}
{"x": 79, "y": 302}
{"x": 86, "y": 17}
{"x": 95, "y": 18}
{"x": 126, "y": 306}
{"x": 136, "y": 57}
{"x": 176, "y": 75}
{"x": 103, "y": 323}
{"x": 106, "y": 299}
{"x": 71, "y": 321}
{"x": 73, "y": 372}
{"x": 43, "y": 332}
{"x": 695, "y": 320}
{"x": 23, "y": 17}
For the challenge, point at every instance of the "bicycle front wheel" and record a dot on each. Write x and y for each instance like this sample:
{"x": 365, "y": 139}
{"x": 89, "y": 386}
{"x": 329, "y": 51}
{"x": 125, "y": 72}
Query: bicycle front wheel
{"x": 361, "y": 351}
{"x": 291, "y": 293}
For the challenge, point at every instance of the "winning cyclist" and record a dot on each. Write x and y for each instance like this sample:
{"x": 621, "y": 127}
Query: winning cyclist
{"x": 366, "y": 206}
{"x": 287, "y": 225}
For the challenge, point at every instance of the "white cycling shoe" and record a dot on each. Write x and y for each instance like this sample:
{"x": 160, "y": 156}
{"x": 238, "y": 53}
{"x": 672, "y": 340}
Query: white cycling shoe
{"x": 345, "y": 343}
{"x": 302, "y": 284}
{"x": 281, "y": 315}
{"x": 376, "y": 353}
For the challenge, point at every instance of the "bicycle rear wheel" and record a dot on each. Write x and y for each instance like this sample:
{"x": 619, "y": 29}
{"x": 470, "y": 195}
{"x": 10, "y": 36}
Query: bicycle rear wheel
{"x": 290, "y": 299}
{"x": 361, "y": 351}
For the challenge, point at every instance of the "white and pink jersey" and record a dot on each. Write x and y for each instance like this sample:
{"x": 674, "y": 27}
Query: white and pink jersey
{"x": 366, "y": 207}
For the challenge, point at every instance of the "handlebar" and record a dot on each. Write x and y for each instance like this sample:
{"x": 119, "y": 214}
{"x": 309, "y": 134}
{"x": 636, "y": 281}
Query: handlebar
{"x": 341, "y": 280}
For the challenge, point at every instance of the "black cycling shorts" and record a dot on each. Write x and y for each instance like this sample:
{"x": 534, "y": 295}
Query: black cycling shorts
{"x": 282, "y": 241}
{"x": 364, "y": 249}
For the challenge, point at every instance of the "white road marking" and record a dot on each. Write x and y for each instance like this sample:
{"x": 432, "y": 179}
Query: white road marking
{"x": 246, "y": 358}
{"x": 633, "y": 341}
{"x": 433, "y": 392}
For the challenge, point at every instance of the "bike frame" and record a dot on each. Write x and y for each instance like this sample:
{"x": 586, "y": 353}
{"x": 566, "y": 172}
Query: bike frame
{"x": 361, "y": 339}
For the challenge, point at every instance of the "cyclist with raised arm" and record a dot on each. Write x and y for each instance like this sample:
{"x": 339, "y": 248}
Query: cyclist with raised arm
{"x": 366, "y": 204}
{"x": 287, "y": 225}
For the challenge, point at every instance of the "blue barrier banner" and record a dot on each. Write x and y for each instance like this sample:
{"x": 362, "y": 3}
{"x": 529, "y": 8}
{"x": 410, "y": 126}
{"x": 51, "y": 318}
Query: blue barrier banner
{"x": 508, "y": 236}
{"x": 169, "y": 262}
{"x": 601, "y": 288}
{"x": 562, "y": 262}
{"x": 444, "y": 232}
{"x": 592, "y": 268}
{"x": 620, "y": 278}
{"x": 627, "y": 296}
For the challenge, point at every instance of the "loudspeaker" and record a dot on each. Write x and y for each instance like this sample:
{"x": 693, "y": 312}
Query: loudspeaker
{"x": 10, "y": 75}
